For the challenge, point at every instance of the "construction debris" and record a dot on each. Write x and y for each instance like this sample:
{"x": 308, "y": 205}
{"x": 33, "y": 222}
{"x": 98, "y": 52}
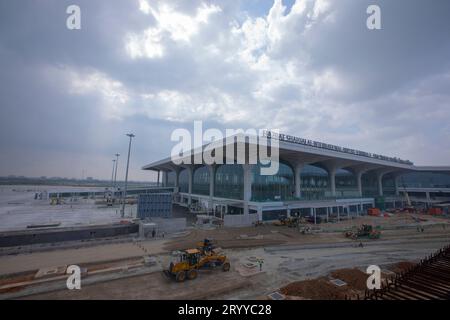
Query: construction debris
{"x": 247, "y": 237}
{"x": 316, "y": 289}
{"x": 355, "y": 278}
{"x": 428, "y": 280}
{"x": 149, "y": 260}
{"x": 338, "y": 282}
{"x": 364, "y": 231}
{"x": 276, "y": 296}
{"x": 50, "y": 272}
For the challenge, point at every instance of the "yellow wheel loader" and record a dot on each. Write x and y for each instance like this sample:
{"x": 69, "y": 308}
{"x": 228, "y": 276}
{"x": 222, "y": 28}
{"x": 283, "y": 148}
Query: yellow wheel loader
{"x": 191, "y": 260}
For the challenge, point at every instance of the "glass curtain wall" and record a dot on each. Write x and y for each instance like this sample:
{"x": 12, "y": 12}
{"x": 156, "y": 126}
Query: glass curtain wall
{"x": 171, "y": 178}
{"x": 200, "y": 183}
{"x": 425, "y": 180}
{"x": 346, "y": 184}
{"x": 277, "y": 187}
{"x": 314, "y": 183}
{"x": 369, "y": 184}
{"x": 229, "y": 182}
{"x": 388, "y": 183}
{"x": 184, "y": 181}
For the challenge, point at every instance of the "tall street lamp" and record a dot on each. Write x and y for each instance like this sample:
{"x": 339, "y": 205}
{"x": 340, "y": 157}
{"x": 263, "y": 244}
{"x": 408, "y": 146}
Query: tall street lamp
{"x": 131, "y": 136}
{"x": 112, "y": 174}
{"x": 115, "y": 173}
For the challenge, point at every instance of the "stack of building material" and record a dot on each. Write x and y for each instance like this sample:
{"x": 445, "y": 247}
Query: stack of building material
{"x": 154, "y": 205}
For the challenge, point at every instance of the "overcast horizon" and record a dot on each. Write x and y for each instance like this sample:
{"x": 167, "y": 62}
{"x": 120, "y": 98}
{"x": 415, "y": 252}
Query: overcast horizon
{"x": 310, "y": 68}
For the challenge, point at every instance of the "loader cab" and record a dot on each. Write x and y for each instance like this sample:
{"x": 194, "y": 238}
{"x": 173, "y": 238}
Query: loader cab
{"x": 191, "y": 256}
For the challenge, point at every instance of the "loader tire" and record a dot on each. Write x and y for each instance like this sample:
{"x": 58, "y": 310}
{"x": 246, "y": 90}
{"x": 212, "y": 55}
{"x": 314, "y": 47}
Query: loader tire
{"x": 226, "y": 266}
{"x": 192, "y": 274}
{"x": 181, "y": 276}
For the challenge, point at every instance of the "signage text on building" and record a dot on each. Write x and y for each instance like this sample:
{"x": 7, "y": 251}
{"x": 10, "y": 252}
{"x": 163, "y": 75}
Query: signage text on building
{"x": 312, "y": 143}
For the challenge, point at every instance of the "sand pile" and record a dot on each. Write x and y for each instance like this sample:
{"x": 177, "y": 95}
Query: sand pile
{"x": 355, "y": 278}
{"x": 323, "y": 289}
{"x": 402, "y": 266}
{"x": 317, "y": 289}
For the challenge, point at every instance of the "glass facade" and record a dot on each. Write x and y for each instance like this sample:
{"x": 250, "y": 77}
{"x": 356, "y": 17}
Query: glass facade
{"x": 369, "y": 184}
{"x": 200, "y": 183}
{"x": 183, "y": 180}
{"x": 314, "y": 183}
{"x": 425, "y": 180}
{"x": 229, "y": 182}
{"x": 388, "y": 183}
{"x": 171, "y": 175}
{"x": 346, "y": 184}
{"x": 274, "y": 187}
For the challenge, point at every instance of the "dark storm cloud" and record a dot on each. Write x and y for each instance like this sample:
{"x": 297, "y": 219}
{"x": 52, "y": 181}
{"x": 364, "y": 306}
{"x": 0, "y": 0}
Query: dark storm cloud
{"x": 68, "y": 97}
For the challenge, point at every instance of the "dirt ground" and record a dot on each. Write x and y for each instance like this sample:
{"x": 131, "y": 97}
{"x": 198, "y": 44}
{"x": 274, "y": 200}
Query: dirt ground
{"x": 266, "y": 235}
{"x": 402, "y": 266}
{"x": 355, "y": 278}
{"x": 392, "y": 222}
{"x": 310, "y": 269}
{"x": 295, "y": 262}
{"x": 208, "y": 285}
{"x": 322, "y": 289}
{"x": 11, "y": 264}
{"x": 316, "y": 289}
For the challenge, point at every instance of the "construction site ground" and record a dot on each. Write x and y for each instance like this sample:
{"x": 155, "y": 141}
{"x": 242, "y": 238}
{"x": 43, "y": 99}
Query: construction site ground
{"x": 289, "y": 258}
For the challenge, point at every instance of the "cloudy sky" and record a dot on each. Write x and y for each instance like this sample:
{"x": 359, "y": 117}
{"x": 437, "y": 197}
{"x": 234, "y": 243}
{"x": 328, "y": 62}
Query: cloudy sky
{"x": 310, "y": 68}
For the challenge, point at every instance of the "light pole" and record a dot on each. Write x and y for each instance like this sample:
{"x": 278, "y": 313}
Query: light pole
{"x": 115, "y": 174}
{"x": 112, "y": 174}
{"x": 131, "y": 136}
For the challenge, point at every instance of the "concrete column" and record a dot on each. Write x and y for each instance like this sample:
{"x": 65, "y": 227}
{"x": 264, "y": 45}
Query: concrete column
{"x": 288, "y": 212}
{"x": 359, "y": 182}
{"x": 332, "y": 173}
{"x": 212, "y": 181}
{"x": 177, "y": 178}
{"x": 338, "y": 213}
{"x": 315, "y": 216}
{"x": 260, "y": 214}
{"x": 247, "y": 185}
{"x": 190, "y": 170}
{"x": 380, "y": 183}
{"x": 165, "y": 178}
{"x": 328, "y": 214}
{"x": 427, "y": 194}
{"x": 297, "y": 172}
{"x": 397, "y": 192}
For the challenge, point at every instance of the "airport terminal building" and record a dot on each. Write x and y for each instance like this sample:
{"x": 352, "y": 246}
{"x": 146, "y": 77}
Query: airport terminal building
{"x": 314, "y": 179}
